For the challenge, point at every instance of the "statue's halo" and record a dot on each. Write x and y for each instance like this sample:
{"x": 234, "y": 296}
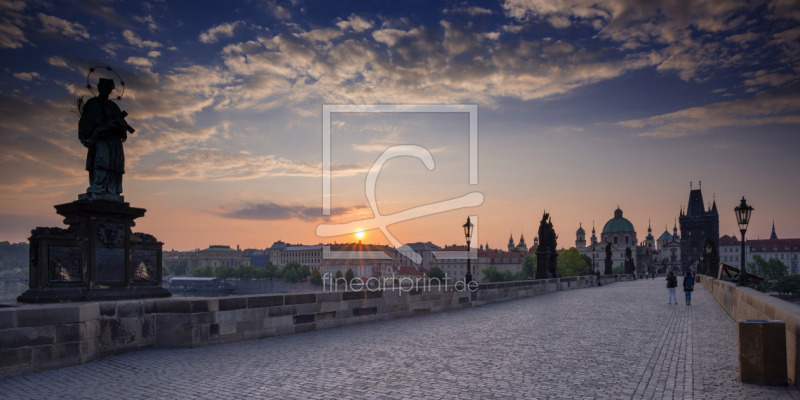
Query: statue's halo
{"x": 109, "y": 69}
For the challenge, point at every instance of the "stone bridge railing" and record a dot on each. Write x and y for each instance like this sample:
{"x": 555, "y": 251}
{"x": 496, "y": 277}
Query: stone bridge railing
{"x": 35, "y": 337}
{"x": 746, "y": 303}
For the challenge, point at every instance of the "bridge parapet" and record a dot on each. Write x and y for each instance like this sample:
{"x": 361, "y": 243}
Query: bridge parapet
{"x": 746, "y": 303}
{"x": 35, "y": 337}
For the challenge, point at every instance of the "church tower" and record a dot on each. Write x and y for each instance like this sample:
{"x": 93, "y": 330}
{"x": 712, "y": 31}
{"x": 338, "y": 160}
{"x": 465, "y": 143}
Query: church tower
{"x": 697, "y": 225}
{"x": 649, "y": 240}
{"x": 594, "y": 237}
{"x": 580, "y": 237}
{"x": 773, "y": 236}
{"x": 522, "y": 246}
{"x": 511, "y": 245}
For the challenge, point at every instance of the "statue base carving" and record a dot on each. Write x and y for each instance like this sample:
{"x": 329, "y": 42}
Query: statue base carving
{"x": 97, "y": 257}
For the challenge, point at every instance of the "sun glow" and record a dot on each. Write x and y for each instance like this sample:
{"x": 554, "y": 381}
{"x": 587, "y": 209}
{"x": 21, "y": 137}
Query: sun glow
{"x": 360, "y": 234}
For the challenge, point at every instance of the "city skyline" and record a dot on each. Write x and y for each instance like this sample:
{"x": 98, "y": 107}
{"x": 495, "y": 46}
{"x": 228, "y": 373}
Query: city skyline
{"x": 580, "y": 109}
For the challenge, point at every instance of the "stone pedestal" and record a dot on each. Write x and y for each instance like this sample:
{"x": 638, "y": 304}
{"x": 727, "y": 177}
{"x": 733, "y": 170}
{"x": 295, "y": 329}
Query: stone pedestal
{"x": 97, "y": 258}
{"x": 762, "y": 352}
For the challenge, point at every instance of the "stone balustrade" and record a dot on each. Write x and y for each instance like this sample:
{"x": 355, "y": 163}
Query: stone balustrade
{"x": 743, "y": 303}
{"x": 35, "y": 337}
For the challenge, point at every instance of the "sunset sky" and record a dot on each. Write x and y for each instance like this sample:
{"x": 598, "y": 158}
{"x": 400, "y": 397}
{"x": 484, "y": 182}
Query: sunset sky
{"x": 583, "y": 106}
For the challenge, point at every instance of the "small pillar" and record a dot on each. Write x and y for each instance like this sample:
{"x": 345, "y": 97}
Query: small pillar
{"x": 762, "y": 352}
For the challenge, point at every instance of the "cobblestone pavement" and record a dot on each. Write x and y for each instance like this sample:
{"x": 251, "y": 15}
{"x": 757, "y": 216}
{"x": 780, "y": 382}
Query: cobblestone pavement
{"x": 620, "y": 341}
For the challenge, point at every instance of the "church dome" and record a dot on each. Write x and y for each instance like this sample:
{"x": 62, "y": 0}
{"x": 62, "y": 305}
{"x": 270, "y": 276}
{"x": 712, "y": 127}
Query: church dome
{"x": 580, "y": 230}
{"x": 665, "y": 236}
{"x": 618, "y": 224}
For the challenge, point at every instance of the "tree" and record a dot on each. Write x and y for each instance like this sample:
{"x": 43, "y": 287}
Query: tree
{"x": 316, "y": 277}
{"x": 203, "y": 272}
{"x": 338, "y": 278}
{"x": 225, "y": 272}
{"x": 294, "y": 272}
{"x": 271, "y": 271}
{"x": 788, "y": 286}
{"x": 180, "y": 267}
{"x": 435, "y": 272}
{"x": 521, "y": 276}
{"x": 772, "y": 270}
{"x": 618, "y": 270}
{"x": 349, "y": 275}
{"x": 165, "y": 271}
{"x": 248, "y": 272}
{"x": 14, "y": 255}
{"x": 529, "y": 266}
{"x": 571, "y": 263}
{"x": 588, "y": 261}
{"x": 491, "y": 274}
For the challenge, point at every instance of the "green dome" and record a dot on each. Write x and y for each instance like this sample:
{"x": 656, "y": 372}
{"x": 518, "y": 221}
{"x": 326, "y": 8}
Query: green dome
{"x": 618, "y": 224}
{"x": 580, "y": 230}
{"x": 665, "y": 236}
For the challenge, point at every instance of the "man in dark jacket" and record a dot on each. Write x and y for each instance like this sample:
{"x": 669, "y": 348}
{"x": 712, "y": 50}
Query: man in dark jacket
{"x": 672, "y": 283}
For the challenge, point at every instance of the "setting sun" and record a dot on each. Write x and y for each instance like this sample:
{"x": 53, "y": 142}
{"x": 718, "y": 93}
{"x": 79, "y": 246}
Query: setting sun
{"x": 360, "y": 234}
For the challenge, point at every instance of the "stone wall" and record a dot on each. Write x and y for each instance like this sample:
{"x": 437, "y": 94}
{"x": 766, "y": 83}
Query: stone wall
{"x": 746, "y": 303}
{"x": 35, "y": 337}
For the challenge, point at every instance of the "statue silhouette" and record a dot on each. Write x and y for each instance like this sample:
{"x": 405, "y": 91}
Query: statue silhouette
{"x": 102, "y": 129}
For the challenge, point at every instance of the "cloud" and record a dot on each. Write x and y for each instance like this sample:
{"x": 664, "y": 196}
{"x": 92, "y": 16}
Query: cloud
{"x": 213, "y": 34}
{"x": 781, "y": 105}
{"x": 692, "y": 36}
{"x": 73, "y": 30}
{"x": 226, "y": 166}
{"x": 11, "y": 23}
{"x": 322, "y": 35}
{"x": 269, "y": 211}
{"x": 40, "y": 146}
{"x": 277, "y": 10}
{"x": 354, "y": 22}
{"x": 444, "y": 64}
{"x": 135, "y": 40}
{"x": 107, "y": 13}
{"x": 471, "y": 11}
{"x": 139, "y": 62}
{"x": 26, "y": 76}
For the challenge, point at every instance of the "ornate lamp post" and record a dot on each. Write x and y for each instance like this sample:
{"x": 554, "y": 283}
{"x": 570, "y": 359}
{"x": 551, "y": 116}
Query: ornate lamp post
{"x": 743, "y": 212}
{"x": 468, "y": 234}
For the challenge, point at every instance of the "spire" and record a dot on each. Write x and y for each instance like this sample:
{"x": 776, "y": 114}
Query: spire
{"x": 592, "y": 227}
{"x": 714, "y": 205}
{"x": 649, "y": 229}
{"x": 773, "y": 236}
{"x": 675, "y": 230}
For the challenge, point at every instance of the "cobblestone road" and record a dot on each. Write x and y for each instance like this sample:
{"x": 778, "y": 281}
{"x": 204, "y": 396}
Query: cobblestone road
{"x": 620, "y": 341}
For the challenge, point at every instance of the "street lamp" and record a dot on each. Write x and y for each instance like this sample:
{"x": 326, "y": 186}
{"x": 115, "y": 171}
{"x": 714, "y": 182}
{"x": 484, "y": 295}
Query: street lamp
{"x": 594, "y": 254}
{"x": 743, "y": 212}
{"x": 468, "y": 234}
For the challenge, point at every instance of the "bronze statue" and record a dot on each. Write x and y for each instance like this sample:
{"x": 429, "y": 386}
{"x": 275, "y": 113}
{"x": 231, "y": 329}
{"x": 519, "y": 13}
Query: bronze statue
{"x": 546, "y": 254}
{"x": 630, "y": 267}
{"x": 102, "y": 129}
{"x": 608, "y": 270}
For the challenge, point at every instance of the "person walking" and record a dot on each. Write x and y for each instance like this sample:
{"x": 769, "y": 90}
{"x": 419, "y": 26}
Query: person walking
{"x": 672, "y": 283}
{"x": 688, "y": 286}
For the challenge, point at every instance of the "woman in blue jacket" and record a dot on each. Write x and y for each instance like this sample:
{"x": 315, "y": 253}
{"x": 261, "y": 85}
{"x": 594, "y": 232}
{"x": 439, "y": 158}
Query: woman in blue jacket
{"x": 688, "y": 286}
